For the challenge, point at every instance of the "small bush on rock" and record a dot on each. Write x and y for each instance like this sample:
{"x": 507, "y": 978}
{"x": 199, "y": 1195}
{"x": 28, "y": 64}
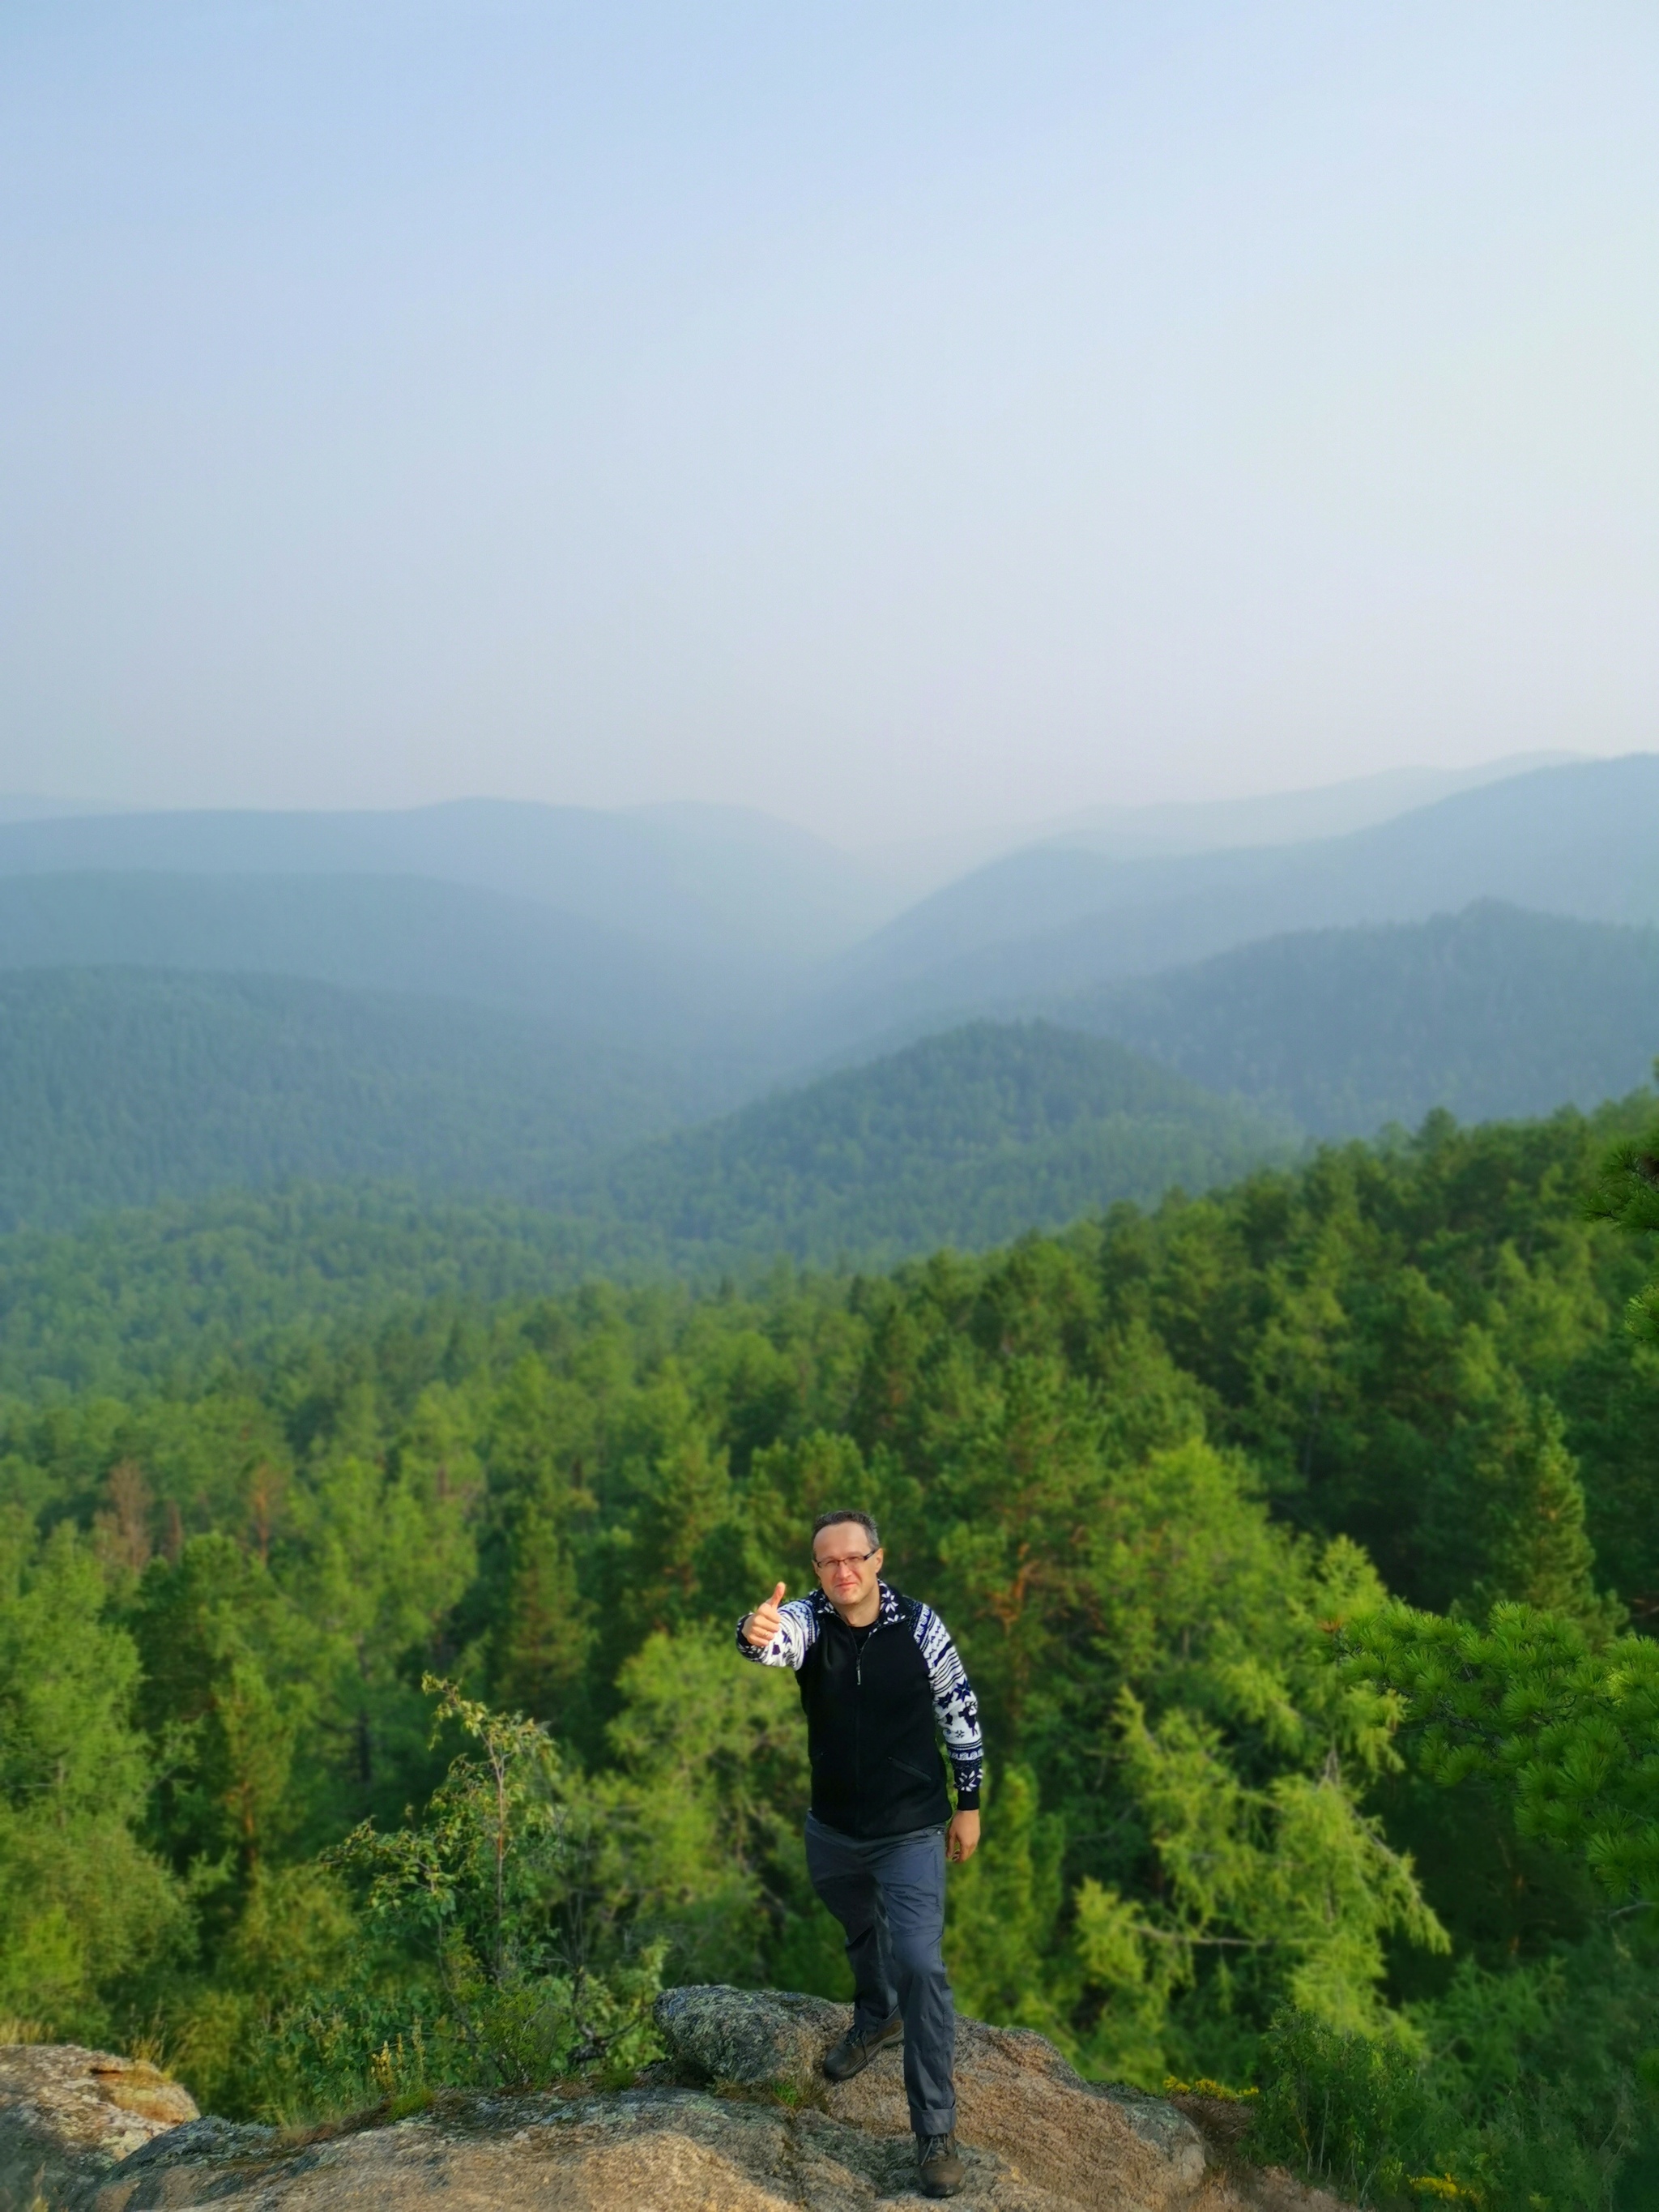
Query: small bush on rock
{"x": 472, "y": 1966}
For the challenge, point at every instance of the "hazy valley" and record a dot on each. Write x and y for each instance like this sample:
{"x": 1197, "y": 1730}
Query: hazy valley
{"x": 537, "y": 1005}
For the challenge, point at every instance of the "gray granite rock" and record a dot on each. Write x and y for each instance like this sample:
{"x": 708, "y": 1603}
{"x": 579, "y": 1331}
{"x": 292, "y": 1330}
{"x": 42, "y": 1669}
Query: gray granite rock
{"x": 755, "y": 2038}
{"x": 69, "y": 2116}
{"x": 80, "y": 2132}
{"x": 1016, "y": 2096}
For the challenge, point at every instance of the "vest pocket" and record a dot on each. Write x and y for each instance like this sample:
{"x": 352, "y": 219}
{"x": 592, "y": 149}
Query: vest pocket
{"x": 893, "y": 1760}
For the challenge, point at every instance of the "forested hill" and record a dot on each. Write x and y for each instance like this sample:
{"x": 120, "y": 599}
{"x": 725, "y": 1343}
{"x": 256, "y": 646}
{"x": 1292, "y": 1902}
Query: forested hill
{"x": 1492, "y": 1013}
{"x": 966, "y": 1139}
{"x": 1155, "y": 1473}
{"x": 119, "y": 1087}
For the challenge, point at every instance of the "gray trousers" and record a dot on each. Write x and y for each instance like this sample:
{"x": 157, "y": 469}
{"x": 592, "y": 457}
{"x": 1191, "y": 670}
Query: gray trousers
{"x": 888, "y": 1893}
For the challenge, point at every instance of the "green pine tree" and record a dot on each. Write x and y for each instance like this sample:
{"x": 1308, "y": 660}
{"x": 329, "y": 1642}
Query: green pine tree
{"x": 543, "y": 1643}
{"x": 84, "y": 1908}
{"x": 1537, "y": 1551}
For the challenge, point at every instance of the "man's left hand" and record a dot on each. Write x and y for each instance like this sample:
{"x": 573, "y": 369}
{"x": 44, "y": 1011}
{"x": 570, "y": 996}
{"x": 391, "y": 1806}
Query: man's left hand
{"x": 962, "y": 1836}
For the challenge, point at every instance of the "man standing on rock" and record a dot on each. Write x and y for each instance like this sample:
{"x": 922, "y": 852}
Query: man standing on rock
{"x": 879, "y": 1675}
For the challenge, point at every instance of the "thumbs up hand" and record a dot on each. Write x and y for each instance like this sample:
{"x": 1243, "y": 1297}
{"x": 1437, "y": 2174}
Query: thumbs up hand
{"x": 765, "y": 1622}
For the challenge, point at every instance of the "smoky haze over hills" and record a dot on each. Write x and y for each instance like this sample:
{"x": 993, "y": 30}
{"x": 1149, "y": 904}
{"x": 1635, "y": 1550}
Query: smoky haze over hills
{"x": 1278, "y": 818}
{"x": 531, "y": 1002}
{"x": 1578, "y": 840}
{"x": 405, "y": 933}
{"x": 718, "y": 882}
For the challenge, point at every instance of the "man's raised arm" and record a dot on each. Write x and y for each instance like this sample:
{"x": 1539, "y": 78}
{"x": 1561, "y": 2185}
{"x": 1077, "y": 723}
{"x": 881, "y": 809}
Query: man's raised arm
{"x": 776, "y": 1634}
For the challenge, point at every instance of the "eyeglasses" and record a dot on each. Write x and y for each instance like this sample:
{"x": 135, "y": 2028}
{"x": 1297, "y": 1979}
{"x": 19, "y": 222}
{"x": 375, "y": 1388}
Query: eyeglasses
{"x": 853, "y": 1559}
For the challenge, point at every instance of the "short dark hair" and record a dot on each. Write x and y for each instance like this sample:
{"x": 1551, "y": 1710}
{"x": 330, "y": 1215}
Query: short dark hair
{"x": 833, "y": 1520}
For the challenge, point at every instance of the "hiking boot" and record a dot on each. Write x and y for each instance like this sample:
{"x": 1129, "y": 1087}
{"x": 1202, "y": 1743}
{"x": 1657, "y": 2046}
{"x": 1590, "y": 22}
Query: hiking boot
{"x": 941, "y": 2172}
{"x": 859, "y": 2046}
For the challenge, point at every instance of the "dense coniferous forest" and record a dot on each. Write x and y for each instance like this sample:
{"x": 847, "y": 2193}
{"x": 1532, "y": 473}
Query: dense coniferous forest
{"x": 964, "y": 1139}
{"x": 1491, "y": 1013}
{"x": 1249, "y": 1512}
{"x": 503, "y": 1283}
{"x": 174, "y": 1291}
{"x": 119, "y": 1088}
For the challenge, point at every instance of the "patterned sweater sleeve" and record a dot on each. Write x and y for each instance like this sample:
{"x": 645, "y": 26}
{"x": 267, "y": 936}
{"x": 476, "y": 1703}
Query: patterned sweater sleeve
{"x": 955, "y": 1707}
{"x": 798, "y": 1630}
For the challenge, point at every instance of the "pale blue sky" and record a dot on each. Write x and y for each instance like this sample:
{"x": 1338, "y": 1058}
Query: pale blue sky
{"x": 904, "y": 418}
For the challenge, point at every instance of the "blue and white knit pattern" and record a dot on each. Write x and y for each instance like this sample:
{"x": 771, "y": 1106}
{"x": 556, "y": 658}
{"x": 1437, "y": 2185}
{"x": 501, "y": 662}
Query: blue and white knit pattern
{"x": 955, "y": 1706}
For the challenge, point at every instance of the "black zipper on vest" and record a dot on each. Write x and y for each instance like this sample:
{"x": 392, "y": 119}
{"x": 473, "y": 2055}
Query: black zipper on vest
{"x": 858, "y": 1723}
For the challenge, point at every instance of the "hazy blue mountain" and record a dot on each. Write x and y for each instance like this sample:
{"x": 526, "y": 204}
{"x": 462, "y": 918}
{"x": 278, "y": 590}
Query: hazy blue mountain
{"x": 1277, "y": 817}
{"x": 721, "y": 881}
{"x": 1011, "y": 941}
{"x": 39, "y": 806}
{"x": 966, "y": 1139}
{"x": 1581, "y": 840}
{"x": 1494, "y": 1013}
{"x": 706, "y": 881}
{"x": 118, "y": 1087}
{"x": 390, "y": 933}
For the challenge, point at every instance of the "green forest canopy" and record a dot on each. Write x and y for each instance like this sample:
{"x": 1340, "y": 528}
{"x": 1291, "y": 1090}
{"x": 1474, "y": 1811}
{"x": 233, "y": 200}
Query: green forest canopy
{"x": 1143, "y": 1468}
{"x": 963, "y": 1138}
{"x": 118, "y": 1088}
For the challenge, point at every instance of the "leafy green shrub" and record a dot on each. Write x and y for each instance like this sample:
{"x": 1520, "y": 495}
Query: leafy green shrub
{"x": 471, "y": 1970}
{"x": 1537, "y": 2072}
{"x": 1345, "y": 2109}
{"x": 1530, "y": 2089}
{"x": 349, "y": 2050}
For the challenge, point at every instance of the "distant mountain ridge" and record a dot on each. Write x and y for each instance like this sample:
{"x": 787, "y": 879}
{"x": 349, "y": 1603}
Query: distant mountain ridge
{"x": 120, "y": 1086}
{"x": 348, "y": 1065}
{"x": 120, "y": 1089}
{"x": 708, "y": 882}
{"x": 743, "y": 892}
{"x": 1493, "y": 1013}
{"x": 1279, "y": 817}
{"x": 390, "y": 933}
{"x": 1015, "y": 937}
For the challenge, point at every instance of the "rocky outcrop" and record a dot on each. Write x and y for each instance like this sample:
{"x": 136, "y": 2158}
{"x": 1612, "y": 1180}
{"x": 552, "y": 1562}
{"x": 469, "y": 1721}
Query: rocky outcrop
{"x": 1017, "y": 2099}
{"x": 738, "y": 2119}
{"x": 68, "y": 2116}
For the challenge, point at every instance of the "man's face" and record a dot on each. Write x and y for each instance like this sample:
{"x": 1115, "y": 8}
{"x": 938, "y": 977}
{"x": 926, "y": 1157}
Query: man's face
{"x": 846, "y": 1575}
